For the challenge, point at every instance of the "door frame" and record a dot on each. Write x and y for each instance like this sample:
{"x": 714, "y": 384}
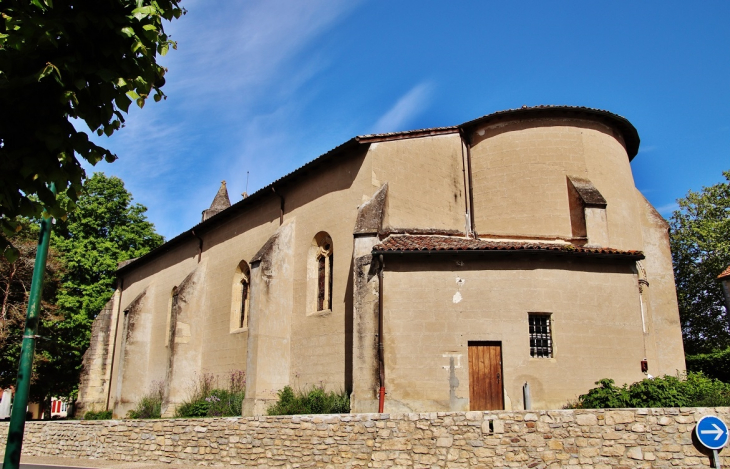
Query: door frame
{"x": 501, "y": 366}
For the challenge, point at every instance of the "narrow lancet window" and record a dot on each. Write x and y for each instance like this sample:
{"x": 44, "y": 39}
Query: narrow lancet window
{"x": 241, "y": 298}
{"x": 243, "y": 317}
{"x": 321, "y": 273}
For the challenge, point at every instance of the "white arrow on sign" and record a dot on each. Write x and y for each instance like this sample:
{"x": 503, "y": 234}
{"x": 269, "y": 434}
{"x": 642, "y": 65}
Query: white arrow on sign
{"x": 717, "y": 432}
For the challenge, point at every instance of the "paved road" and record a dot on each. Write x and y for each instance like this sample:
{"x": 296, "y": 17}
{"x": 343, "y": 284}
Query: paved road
{"x": 53, "y": 462}
{"x": 45, "y": 466}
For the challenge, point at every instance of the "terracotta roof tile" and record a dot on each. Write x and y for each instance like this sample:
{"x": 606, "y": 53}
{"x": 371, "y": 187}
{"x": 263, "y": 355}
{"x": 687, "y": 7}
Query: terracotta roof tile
{"x": 410, "y": 243}
{"x": 725, "y": 273}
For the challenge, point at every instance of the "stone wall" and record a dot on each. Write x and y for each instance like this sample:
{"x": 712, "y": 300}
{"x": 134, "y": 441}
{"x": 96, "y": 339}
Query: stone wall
{"x": 629, "y": 438}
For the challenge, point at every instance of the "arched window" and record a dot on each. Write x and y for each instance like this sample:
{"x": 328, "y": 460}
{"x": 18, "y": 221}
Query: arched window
{"x": 320, "y": 272}
{"x": 241, "y": 298}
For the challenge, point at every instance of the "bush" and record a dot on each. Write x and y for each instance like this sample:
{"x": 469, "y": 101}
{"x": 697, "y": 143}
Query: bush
{"x": 690, "y": 390}
{"x": 101, "y": 415}
{"x": 314, "y": 401}
{"x": 207, "y": 400}
{"x": 714, "y": 365}
{"x": 150, "y": 406}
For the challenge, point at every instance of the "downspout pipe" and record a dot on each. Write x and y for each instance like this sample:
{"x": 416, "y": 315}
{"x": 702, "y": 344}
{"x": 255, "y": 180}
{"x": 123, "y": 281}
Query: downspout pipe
{"x": 281, "y": 207}
{"x": 200, "y": 245}
{"x": 468, "y": 227}
{"x": 467, "y": 141}
{"x": 381, "y": 359}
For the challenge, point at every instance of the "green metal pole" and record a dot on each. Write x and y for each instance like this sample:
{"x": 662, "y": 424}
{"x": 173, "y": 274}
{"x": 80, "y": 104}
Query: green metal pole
{"x": 20, "y": 403}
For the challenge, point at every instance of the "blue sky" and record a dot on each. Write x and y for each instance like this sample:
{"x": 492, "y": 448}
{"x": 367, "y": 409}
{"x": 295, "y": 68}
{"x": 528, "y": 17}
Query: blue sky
{"x": 266, "y": 85}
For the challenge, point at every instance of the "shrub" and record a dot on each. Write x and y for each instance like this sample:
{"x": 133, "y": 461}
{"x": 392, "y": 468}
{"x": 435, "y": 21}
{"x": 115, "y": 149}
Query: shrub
{"x": 101, "y": 415}
{"x": 714, "y": 365}
{"x": 207, "y": 400}
{"x": 314, "y": 401}
{"x": 150, "y": 406}
{"x": 690, "y": 390}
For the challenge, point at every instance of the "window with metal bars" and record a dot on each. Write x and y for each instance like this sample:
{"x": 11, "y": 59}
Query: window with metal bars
{"x": 541, "y": 340}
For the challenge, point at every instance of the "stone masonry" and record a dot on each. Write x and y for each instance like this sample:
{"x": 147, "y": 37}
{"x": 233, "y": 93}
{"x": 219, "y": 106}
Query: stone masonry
{"x": 624, "y": 438}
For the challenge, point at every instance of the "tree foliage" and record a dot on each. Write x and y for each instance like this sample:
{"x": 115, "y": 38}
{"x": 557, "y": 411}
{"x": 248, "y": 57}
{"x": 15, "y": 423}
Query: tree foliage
{"x": 105, "y": 229}
{"x": 700, "y": 240}
{"x": 714, "y": 365}
{"x": 15, "y": 280}
{"x": 692, "y": 390}
{"x": 85, "y": 60}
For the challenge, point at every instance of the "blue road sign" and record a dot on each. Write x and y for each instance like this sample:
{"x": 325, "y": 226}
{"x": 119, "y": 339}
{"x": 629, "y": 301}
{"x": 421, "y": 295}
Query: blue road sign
{"x": 711, "y": 432}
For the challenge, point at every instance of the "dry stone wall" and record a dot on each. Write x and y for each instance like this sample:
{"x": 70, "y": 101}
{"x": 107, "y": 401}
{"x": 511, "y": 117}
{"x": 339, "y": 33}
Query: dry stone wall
{"x": 629, "y": 438}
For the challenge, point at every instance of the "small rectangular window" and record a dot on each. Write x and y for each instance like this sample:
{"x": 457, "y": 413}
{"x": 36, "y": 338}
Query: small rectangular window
{"x": 541, "y": 341}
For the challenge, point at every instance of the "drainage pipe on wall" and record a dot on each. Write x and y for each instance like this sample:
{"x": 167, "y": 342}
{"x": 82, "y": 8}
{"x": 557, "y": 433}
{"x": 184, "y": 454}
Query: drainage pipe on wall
{"x": 467, "y": 142}
{"x": 381, "y": 361}
{"x": 200, "y": 245}
{"x": 281, "y": 205}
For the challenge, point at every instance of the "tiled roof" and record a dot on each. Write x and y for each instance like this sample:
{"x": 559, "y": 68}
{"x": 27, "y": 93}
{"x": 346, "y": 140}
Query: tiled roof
{"x": 410, "y": 243}
{"x": 725, "y": 273}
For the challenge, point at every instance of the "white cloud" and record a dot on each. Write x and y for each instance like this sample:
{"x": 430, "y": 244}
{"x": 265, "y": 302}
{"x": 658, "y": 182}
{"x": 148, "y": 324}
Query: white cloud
{"x": 407, "y": 107}
{"x": 668, "y": 209}
{"x": 233, "y": 83}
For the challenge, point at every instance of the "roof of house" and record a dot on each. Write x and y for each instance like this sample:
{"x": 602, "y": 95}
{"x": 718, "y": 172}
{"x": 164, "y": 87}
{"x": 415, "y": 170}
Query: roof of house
{"x": 449, "y": 244}
{"x": 725, "y": 273}
{"x": 630, "y": 135}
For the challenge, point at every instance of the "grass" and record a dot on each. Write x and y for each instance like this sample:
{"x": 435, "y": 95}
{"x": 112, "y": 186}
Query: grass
{"x": 150, "y": 406}
{"x": 314, "y": 401}
{"x": 100, "y": 415}
{"x": 207, "y": 399}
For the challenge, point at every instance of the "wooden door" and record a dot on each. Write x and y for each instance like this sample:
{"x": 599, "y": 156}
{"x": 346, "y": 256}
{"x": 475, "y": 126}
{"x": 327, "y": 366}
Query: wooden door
{"x": 485, "y": 376}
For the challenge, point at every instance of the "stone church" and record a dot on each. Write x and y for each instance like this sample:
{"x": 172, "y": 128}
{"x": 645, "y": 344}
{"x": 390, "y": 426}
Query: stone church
{"x": 505, "y": 263}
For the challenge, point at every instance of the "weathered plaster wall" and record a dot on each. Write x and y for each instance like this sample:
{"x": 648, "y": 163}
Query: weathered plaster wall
{"x": 519, "y": 175}
{"x": 134, "y": 354}
{"x": 601, "y": 439}
{"x": 426, "y": 182}
{"x": 234, "y": 240}
{"x": 269, "y": 344}
{"x": 94, "y": 379}
{"x": 321, "y": 341}
{"x": 157, "y": 280}
{"x": 185, "y": 342}
{"x": 435, "y": 305}
{"x": 659, "y": 294}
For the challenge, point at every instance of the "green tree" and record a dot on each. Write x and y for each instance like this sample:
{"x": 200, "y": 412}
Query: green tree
{"x": 15, "y": 280}
{"x": 86, "y": 60}
{"x": 700, "y": 240}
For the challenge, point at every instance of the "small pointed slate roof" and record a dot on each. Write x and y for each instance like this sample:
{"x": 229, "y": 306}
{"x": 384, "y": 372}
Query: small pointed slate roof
{"x": 220, "y": 202}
